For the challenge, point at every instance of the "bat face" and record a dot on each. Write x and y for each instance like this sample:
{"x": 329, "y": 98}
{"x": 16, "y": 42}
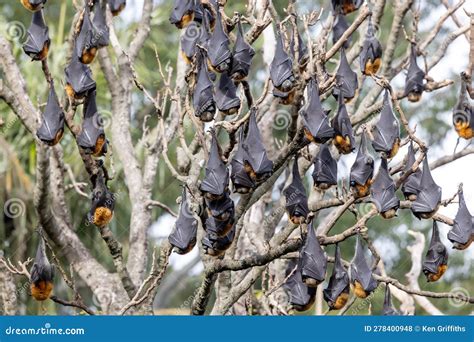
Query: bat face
{"x": 388, "y": 309}
{"x": 414, "y": 81}
{"x": 429, "y": 196}
{"x": 371, "y": 54}
{"x": 222, "y": 209}
{"x": 100, "y": 36}
{"x": 296, "y": 198}
{"x": 183, "y": 13}
{"x": 281, "y": 69}
{"x": 52, "y": 127}
{"x": 203, "y": 96}
{"x": 325, "y": 169}
{"x": 183, "y": 236}
{"x": 463, "y": 114}
{"x": 436, "y": 259}
{"x": 227, "y": 100}
{"x": 42, "y": 275}
{"x": 117, "y": 6}
{"x": 313, "y": 263}
{"x": 315, "y": 120}
{"x": 462, "y": 233}
{"x": 241, "y": 180}
{"x": 382, "y": 192}
{"x": 302, "y": 296}
{"x": 346, "y": 80}
{"x": 37, "y": 42}
{"x": 344, "y": 135}
{"x": 411, "y": 186}
{"x": 85, "y": 46}
{"x": 79, "y": 79}
{"x": 340, "y": 26}
{"x": 387, "y": 131}
{"x": 241, "y": 56}
{"x": 220, "y": 56}
{"x": 284, "y": 98}
{"x": 346, "y": 6}
{"x": 361, "y": 274}
{"x": 337, "y": 292}
{"x": 33, "y": 5}
{"x": 92, "y": 137}
{"x": 216, "y": 246}
{"x": 103, "y": 203}
{"x": 216, "y": 181}
{"x": 362, "y": 171}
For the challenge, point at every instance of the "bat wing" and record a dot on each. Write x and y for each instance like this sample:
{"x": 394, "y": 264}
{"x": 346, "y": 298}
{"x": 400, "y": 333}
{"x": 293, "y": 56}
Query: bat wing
{"x": 387, "y": 130}
{"x": 325, "y": 167}
{"x": 217, "y": 174}
{"x": 415, "y": 76}
{"x": 412, "y": 183}
{"x": 463, "y": 226}
{"x": 346, "y": 79}
{"x": 313, "y": 259}
{"x": 382, "y": 191}
{"x": 42, "y": 268}
{"x": 92, "y": 127}
{"x": 53, "y": 119}
{"x": 363, "y": 168}
{"x": 255, "y": 150}
{"x": 214, "y": 242}
{"x": 360, "y": 270}
{"x": 339, "y": 280}
{"x": 342, "y": 123}
{"x": 220, "y": 206}
{"x": 203, "y": 96}
{"x": 340, "y": 26}
{"x": 429, "y": 195}
{"x": 281, "y": 68}
{"x": 295, "y": 194}
{"x": 300, "y": 293}
{"x": 184, "y": 232}
{"x": 84, "y": 39}
{"x": 388, "y": 309}
{"x": 242, "y": 54}
{"x": 218, "y": 48}
{"x": 226, "y": 94}
{"x": 79, "y": 76}
{"x": 180, "y": 9}
{"x": 37, "y": 35}
{"x": 437, "y": 254}
{"x": 239, "y": 175}
{"x": 101, "y": 30}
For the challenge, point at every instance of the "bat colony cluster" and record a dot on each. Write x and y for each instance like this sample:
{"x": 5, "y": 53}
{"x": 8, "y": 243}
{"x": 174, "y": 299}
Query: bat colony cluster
{"x": 91, "y": 35}
{"x": 211, "y": 52}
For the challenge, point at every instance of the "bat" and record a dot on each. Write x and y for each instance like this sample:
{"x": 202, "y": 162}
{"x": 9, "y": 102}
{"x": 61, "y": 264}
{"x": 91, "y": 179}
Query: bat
{"x": 37, "y": 42}
{"x": 242, "y": 56}
{"x": 382, "y": 192}
{"x": 214, "y": 245}
{"x": 52, "y": 128}
{"x": 337, "y": 292}
{"x": 103, "y": 203}
{"x": 371, "y": 54}
{"x": 302, "y": 296}
{"x": 100, "y": 37}
{"x": 203, "y": 95}
{"x": 218, "y": 50}
{"x": 436, "y": 259}
{"x": 92, "y": 137}
{"x": 219, "y": 228}
{"x": 183, "y": 236}
{"x": 344, "y": 136}
{"x": 388, "y": 309}
{"x": 362, "y": 171}
{"x": 227, "y": 100}
{"x": 79, "y": 79}
{"x": 411, "y": 185}
{"x": 33, "y": 5}
{"x": 428, "y": 198}
{"x": 361, "y": 275}
{"x": 200, "y": 12}
{"x": 216, "y": 180}
{"x": 296, "y": 198}
{"x": 314, "y": 117}
{"x": 222, "y": 209}
{"x": 463, "y": 113}
{"x": 346, "y": 79}
{"x": 313, "y": 263}
{"x": 462, "y": 233}
{"x": 340, "y": 26}
{"x": 386, "y": 132}
{"x": 117, "y": 6}
{"x": 281, "y": 69}
{"x": 284, "y": 98}
{"x": 414, "y": 81}
{"x": 189, "y": 40}
{"x": 183, "y": 13}
{"x": 346, "y": 6}
{"x": 42, "y": 275}
{"x": 241, "y": 181}
{"x": 85, "y": 46}
{"x": 325, "y": 169}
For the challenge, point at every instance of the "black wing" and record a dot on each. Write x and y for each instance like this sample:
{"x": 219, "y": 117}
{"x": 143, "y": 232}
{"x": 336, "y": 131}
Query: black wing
{"x": 313, "y": 261}
{"x": 241, "y": 56}
{"x": 429, "y": 196}
{"x": 217, "y": 175}
{"x": 101, "y": 30}
{"x": 437, "y": 254}
{"x": 342, "y": 123}
{"x": 340, "y": 26}
{"x": 415, "y": 75}
{"x": 339, "y": 281}
{"x": 79, "y": 77}
{"x": 203, "y": 96}
{"x": 92, "y": 126}
{"x": 382, "y": 191}
{"x": 363, "y": 168}
{"x": 411, "y": 185}
{"x": 183, "y": 236}
{"x": 463, "y": 227}
{"x": 295, "y": 194}
{"x": 346, "y": 79}
{"x": 371, "y": 48}
{"x": 325, "y": 167}
{"x": 388, "y": 309}
{"x": 360, "y": 270}
{"x": 281, "y": 68}
{"x": 53, "y": 120}
{"x": 218, "y": 49}
{"x": 42, "y": 269}
{"x": 301, "y": 296}
{"x": 387, "y": 130}
{"x": 38, "y": 36}
{"x": 226, "y": 94}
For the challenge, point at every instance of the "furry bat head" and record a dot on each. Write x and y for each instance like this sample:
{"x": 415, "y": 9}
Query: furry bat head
{"x": 33, "y": 5}
{"x": 241, "y": 56}
{"x": 436, "y": 259}
{"x": 42, "y": 274}
{"x": 214, "y": 245}
{"x": 92, "y": 137}
{"x": 220, "y": 56}
{"x": 346, "y": 6}
{"x": 411, "y": 185}
{"x": 463, "y": 113}
{"x": 337, "y": 292}
{"x": 103, "y": 203}
{"x": 344, "y": 136}
{"x": 387, "y": 131}
{"x": 313, "y": 263}
{"x": 52, "y": 128}
{"x": 429, "y": 194}
{"x": 222, "y": 209}
{"x": 346, "y": 80}
{"x": 241, "y": 180}
{"x": 340, "y": 26}
{"x": 37, "y": 43}
{"x": 117, "y": 6}
{"x": 371, "y": 54}
{"x": 203, "y": 96}
{"x": 462, "y": 233}
{"x": 302, "y": 296}
{"x": 284, "y": 98}
{"x": 227, "y": 100}
{"x": 79, "y": 79}
{"x": 281, "y": 69}
{"x": 183, "y": 236}
{"x": 325, "y": 169}
{"x": 414, "y": 81}
{"x": 361, "y": 274}
{"x": 86, "y": 47}
{"x": 101, "y": 30}
{"x": 315, "y": 120}
{"x": 382, "y": 192}
{"x": 362, "y": 171}
{"x": 388, "y": 309}
{"x": 216, "y": 181}
{"x": 296, "y": 198}
{"x": 183, "y": 13}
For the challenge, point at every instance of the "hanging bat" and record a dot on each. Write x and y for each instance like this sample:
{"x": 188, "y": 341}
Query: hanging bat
{"x": 362, "y": 171}
{"x": 281, "y": 69}
{"x": 86, "y": 50}
{"x": 313, "y": 263}
{"x": 296, "y": 198}
{"x": 414, "y": 81}
{"x": 325, "y": 169}
{"x": 241, "y": 181}
{"x": 340, "y": 26}
{"x": 189, "y": 40}
{"x": 429, "y": 195}
{"x": 337, "y": 292}
{"x": 100, "y": 37}
{"x": 103, "y": 203}
{"x": 216, "y": 180}
{"x": 302, "y": 296}
{"x": 346, "y": 79}
{"x": 388, "y": 309}
{"x": 52, "y": 128}
{"x": 117, "y": 6}
{"x": 201, "y": 12}
{"x": 218, "y": 50}
{"x": 42, "y": 275}
{"x": 386, "y": 132}
{"x": 344, "y": 136}
{"x": 203, "y": 95}
{"x": 37, "y": 42}
{"x": 79, "y": 79}
{"x": 463, "y": 113}
{"x": 218, "y": 228}
{"x": 284, "y": 98}
{"x": 227, "y": 100}
{"x": 314, "y": 117}
{"x": 92, "y": 137}
{"x": 214, "y": 245}
{"x": 362, "y": 279}
{"x": 436, "y": 259}
{"x": 242, "y": 55}
{"x": 462, "y": 233}
{"x": 382, "y": 192}
{"x": 411, "y": 185}
{"x": 183, "y": 13}
{"x": 346, "y": 6}
{"x": 371, "y": 54}
{"x": 33, "y": 5}
{"x": 222, "y": 209}
{"x": 183, "y": 236}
